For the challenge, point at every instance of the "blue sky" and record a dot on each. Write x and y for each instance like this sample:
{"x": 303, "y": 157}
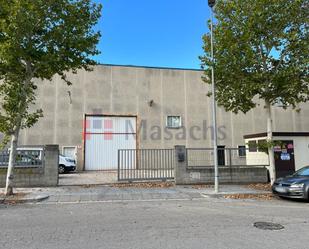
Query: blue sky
{"x": 159, "y": 33}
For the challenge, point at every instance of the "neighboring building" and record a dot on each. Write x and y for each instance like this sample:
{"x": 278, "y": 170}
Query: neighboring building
{"x": 143, "y": 107}
{"x": 290, "y": 151}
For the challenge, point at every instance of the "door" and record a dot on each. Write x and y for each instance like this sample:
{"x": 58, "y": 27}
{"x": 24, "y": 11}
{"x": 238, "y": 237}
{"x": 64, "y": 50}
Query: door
{"x": 104, "y": 136}
{"x": 221, "y": 155}
{"x": 69, "y": 151}
{"x": 284, "y": 158}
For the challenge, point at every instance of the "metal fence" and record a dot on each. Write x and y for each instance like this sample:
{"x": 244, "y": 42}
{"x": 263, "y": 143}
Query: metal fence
{"x": 24, "y": 158}
{"x": 232, "y": 157}
{"x": 145, "y": 164}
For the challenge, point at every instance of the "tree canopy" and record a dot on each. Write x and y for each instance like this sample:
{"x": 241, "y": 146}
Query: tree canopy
{"x": 261, "y": 50}
{"x": 38, "y": 39}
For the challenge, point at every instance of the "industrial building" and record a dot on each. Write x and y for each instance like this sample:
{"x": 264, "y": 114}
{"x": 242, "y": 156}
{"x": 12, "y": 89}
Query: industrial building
{"x": 126, "y": 107}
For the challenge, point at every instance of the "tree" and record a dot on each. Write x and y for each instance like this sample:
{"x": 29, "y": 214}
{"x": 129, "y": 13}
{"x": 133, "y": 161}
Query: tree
{"x": 38, "y": 39}
{"x": 261, "y": 54}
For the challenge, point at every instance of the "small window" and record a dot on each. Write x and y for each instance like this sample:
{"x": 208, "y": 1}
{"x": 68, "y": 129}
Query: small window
{"x": 252, "y": 146}
{"x": 241, "y": 151}
{"x": 262, "y": 145}
{"x": 173, "y": 121}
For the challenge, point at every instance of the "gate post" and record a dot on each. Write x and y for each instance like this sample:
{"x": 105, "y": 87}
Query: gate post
{"x": 51, "y": 164}
{"x": 180, "y": 163}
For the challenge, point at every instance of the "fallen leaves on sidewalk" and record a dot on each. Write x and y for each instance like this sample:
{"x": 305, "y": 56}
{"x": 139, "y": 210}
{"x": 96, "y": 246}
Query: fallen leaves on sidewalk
{"x": 260, "y": 186}
{"x": 14, "y": 196}
{"x": 255, "y": 186}
{"x": 144, "y": 185}
{"x": 251, "y": 196}
{"x": 13, "y": 199}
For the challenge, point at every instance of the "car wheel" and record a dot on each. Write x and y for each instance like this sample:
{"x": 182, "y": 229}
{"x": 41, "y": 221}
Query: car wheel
{"x": 61, "y": 169}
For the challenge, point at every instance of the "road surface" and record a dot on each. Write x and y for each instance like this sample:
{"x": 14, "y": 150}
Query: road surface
{"x": 182, "y": 224}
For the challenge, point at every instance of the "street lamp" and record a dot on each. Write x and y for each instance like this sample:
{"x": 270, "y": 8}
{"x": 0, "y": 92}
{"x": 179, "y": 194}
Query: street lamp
{"x": 211, "y": 4}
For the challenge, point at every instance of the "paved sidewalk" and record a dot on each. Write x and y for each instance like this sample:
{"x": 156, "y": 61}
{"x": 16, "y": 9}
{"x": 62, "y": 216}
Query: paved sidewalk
{"x": 97, "y": 193}
{"x": 100, "y": 193}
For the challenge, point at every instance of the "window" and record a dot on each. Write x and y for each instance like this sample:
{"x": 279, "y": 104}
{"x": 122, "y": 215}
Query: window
{"x": 173, "y": 121}
{"x": 252, "y": 146}
{"x": 241, "y": 151}
{"x": 302, "y": 172}
{"x": 262, "y": 145}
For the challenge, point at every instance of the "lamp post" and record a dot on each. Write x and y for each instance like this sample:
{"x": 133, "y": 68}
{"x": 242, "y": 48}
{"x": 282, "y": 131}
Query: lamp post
{"x": 211, "y": 4}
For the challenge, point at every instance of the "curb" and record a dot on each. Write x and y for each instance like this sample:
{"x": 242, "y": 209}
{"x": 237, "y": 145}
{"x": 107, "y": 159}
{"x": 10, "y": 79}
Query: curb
{"x": 234, "y": 193}
{"x": 30, "y": 199}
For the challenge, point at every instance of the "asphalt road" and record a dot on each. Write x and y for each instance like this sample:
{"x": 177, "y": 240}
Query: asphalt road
{"x": 209, "y": 223}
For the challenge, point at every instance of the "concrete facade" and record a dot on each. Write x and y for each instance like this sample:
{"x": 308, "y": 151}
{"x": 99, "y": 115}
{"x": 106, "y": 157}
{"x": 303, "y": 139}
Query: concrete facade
{"x": 151, "y": 94}
{"x": 41, "y": 176}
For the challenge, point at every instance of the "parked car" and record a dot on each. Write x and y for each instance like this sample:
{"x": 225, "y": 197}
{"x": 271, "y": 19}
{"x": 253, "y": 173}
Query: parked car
{"x": 294, "y": 186}
{"x": 66, "y": 164}
{"x": 22, "y": 159}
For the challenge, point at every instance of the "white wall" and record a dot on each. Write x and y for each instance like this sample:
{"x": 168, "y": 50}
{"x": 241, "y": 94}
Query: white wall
{"x": 256, "y": 158}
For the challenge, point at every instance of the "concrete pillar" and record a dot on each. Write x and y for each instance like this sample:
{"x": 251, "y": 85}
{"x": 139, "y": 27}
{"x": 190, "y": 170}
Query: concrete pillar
{"x": 51, "y": 164}
{"x": 180, "y": 163}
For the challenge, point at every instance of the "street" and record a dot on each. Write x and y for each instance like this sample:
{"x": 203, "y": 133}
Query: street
{"x": 201, "y": 223}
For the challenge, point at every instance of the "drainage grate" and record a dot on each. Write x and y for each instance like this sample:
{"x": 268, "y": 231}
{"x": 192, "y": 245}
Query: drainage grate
{"x": 268, "y": 226}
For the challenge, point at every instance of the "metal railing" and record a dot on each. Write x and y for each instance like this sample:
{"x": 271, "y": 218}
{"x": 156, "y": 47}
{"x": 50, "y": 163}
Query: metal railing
{"x": 24, "y": 158}
{"x": 232, "y": 157}
{"x": 145, "y": 164}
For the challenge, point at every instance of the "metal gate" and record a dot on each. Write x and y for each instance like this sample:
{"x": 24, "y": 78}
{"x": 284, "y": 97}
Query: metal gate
{"x": 145, "y": 164}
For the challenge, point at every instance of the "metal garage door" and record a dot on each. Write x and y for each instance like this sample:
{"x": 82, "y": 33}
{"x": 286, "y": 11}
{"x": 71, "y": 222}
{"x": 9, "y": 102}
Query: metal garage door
{"x": 104, "y": 136}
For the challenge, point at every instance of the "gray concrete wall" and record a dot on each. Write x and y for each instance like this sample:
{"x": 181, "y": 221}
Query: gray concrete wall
{"x": 205, "y": 175}
{"x": 45, "y": 176}
{"x": 128, "y": 90}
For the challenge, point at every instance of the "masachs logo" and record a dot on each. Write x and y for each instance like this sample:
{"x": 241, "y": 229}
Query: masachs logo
{"x": 200, "y": 131}
{"x": 98, "y": 127}
{"x": 105, "y": 127}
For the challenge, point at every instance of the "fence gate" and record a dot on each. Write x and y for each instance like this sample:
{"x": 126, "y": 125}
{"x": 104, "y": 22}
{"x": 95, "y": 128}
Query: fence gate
{"x": 145, "y": 164}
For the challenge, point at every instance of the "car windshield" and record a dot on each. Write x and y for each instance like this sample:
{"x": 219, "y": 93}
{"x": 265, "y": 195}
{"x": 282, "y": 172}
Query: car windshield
{"x": 302, "y": 172}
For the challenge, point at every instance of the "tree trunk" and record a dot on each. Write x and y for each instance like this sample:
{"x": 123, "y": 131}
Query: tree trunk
{"x": 12, "y": 157}
{"x": 272, "y": 169}
{"x": 14, "y": 138}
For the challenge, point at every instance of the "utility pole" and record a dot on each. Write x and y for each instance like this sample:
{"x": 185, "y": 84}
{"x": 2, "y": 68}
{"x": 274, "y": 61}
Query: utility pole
{"x": 211, "y": 4}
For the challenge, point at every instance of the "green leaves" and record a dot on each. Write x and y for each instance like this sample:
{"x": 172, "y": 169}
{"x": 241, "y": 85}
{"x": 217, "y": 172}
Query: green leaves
{"x": 261, "y": 50}
{"x": 38, "y": 39}
{"x": 55, "y": 36}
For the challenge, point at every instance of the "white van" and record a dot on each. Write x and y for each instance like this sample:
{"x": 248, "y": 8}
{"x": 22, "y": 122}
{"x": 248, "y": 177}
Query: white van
{"x": 66, "y": 164}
